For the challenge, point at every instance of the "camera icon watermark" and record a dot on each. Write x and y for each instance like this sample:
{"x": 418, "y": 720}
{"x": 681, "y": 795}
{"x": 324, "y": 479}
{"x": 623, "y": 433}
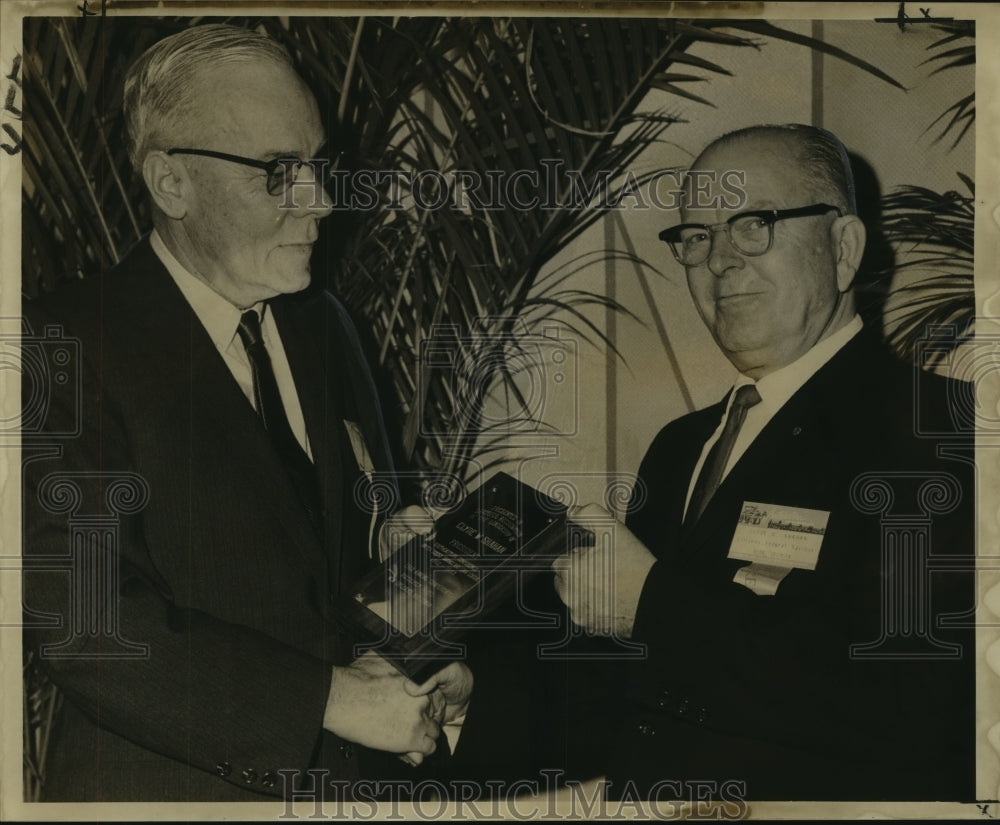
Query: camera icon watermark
{"x": 48, "y": 368}
{"x": 500, "y": 380}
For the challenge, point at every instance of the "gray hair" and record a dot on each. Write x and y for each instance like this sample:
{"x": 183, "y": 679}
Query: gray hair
{"x": 822, "y": 155}
{"x": 158, "y": 86}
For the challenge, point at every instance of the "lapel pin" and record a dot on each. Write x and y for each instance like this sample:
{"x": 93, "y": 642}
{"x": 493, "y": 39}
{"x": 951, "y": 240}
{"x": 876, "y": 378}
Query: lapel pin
{"x": 796, "y": 430}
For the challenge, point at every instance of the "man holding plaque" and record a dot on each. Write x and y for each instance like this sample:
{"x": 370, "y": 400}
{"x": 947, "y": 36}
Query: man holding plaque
{"x": 225, "y": 429}
{"x": 797, "y": 557}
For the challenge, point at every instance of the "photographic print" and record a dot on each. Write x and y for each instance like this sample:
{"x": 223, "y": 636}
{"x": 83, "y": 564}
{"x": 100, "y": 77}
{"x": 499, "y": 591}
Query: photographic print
{"x": 285, "y": 285}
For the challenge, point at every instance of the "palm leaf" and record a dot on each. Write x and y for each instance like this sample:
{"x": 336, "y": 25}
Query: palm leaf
{"x": 763, "y": 27}
{"x": 963, "y": 111}
{"x": 936, "y": 231}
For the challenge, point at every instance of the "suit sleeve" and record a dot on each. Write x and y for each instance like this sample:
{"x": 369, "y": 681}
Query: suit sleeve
{"x": 111, "y": 633}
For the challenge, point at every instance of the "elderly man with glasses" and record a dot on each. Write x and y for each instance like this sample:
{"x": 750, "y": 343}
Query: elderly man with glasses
{"x": 797, "y": 557}
{"x": 231, "y": 409}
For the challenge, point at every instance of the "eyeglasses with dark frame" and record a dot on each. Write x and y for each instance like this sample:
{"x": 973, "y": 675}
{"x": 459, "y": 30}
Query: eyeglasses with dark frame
{"x": 750, "y": 233}
{"x": 281, "y": 172}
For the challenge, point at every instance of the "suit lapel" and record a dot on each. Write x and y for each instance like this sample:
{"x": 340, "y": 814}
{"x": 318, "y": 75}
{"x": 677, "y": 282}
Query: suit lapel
{"x": 701, "y": 430}
{"x": 815, "y": 407}
{"x": 316, "y": 354}
{"x": 172, "y": 336}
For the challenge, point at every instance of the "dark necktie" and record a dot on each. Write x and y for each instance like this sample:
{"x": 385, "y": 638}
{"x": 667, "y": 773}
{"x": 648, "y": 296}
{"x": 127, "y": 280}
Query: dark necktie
{"x": 710, "y": 476}
{"x": 267, "y": 399}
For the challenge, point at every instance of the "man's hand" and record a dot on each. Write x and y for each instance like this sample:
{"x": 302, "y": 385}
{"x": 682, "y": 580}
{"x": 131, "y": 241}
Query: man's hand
{"x": 453, "y": 685}
{"x": 402, "y": 526}
{"x": 369, "y": 705}
{"x": 601, "y": 584}
{"x": 449, "y": 691}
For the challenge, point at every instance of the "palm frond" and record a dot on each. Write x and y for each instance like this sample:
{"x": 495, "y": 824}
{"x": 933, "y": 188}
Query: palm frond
{"x": 963, "y": 114}
{"x": 763, "y": 27}
{"x": 936, "y": 231}
{"x": 963, "y": 111}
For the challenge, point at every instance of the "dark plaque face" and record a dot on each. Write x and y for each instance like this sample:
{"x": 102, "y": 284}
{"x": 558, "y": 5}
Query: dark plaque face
{"x": 503, "y": 531}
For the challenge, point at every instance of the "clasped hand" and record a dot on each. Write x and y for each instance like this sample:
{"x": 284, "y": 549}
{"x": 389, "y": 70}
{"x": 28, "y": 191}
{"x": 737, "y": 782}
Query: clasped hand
{"x": 601, "y": 583}
{"x": 372, "y": 704}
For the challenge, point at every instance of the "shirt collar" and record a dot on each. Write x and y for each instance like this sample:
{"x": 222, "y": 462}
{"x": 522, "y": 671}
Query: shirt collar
{"x": 219, "y": 317}
{"x": 777, "y": 387}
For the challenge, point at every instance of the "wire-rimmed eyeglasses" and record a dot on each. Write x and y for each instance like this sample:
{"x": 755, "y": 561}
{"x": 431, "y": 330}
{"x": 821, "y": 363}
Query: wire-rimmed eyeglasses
{"x": 750, "y": 233}
{"x": 281, "y": 172}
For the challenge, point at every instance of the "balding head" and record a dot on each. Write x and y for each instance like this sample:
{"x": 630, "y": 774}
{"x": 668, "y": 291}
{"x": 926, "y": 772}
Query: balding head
{"x": 773, "y": 283}
{"x": 824, "y": 170}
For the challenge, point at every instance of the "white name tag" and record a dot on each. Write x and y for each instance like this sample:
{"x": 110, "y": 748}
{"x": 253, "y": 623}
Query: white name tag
{"x": 777, "y": 536}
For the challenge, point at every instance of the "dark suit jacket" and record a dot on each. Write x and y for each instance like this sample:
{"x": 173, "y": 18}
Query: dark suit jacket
{"x": 221, "y": 574}
{"x": 763, "y": 690}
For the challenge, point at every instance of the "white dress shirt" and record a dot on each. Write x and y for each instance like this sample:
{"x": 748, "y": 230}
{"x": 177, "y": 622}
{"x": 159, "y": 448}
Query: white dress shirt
{"x": 775, "y": 389}
{"x": 221, "y": 320}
